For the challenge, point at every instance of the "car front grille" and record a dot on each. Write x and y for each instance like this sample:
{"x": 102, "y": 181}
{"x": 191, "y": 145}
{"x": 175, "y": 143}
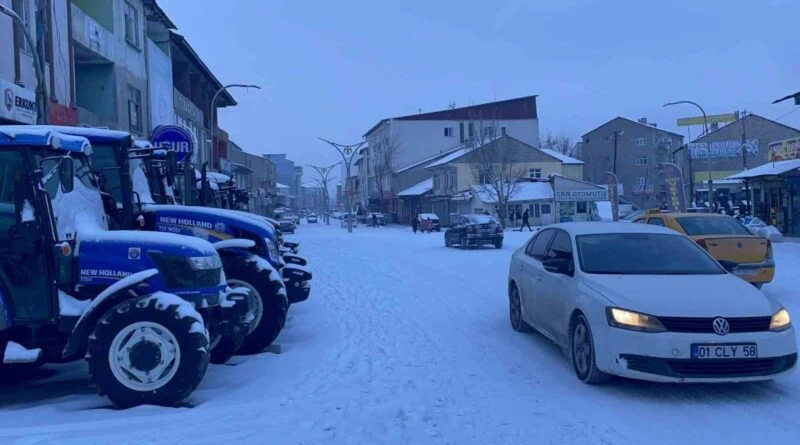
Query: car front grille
{"x": 706, "y": 325}
{"x": 689, "y": 368}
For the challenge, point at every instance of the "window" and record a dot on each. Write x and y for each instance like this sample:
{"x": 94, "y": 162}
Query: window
{"x": 488, "y": 132}
{"x": 483, "y": 178}
{"x": 641, "y": 142}
{"x": 535, "y": 173}
{"x": 546, "y": 209}
{"x": 448, "y": 132}
{"x": 23, "y": 10}
{"x": 561, "y": 247}
{"x": 436, "y": 182}
{"x": 538, "y": 247}
{"x": 134, "y": 109}
{"x": 581, "y": 207}
{"x": 450, "y": 180}
{"x": 461, "y": 132}
{"x": 471, "y": 131}
{"x": 641, "y": 180}
{"x": 656, "y": 222}
{"x": 641, "y": 160}
{"x": 712, "y": 225}
{"x": 131, "y": 25}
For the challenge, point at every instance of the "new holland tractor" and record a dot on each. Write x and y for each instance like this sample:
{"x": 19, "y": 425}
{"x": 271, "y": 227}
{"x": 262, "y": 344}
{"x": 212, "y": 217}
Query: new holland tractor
{"x": 252, "y": 266}
{"x": 138, "y": 307}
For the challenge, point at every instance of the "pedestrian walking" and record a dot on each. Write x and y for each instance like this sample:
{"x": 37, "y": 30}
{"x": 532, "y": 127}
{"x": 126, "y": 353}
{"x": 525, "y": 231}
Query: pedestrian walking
{"x": 525, "y": 221}
{"x": 374, "y": 220}
{"x": 414, "y": 223}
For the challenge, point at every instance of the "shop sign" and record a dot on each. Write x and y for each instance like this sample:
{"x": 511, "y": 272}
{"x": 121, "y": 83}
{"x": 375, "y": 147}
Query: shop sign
{"x": 19, "y": 104}
{"x": 784, "y": 150}
{"x": 582, "y": 195}
{"x": 722, "y": 149}
{"x": 175, "y": 138}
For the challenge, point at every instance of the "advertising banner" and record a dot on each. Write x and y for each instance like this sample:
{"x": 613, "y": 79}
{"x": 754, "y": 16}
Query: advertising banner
{"x": 722, "y": 149}
{"x": 784, "y": 150}
{"x": 673, "y": 178}
{"x": 19, "y": 104}
{"x": 582, "y": 195}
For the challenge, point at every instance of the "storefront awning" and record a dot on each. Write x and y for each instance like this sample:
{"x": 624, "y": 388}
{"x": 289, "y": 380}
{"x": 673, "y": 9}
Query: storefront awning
{"x": 769, "y": 169}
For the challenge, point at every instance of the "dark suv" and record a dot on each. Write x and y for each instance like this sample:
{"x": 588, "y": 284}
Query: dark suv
{"x": 474, "y": 230}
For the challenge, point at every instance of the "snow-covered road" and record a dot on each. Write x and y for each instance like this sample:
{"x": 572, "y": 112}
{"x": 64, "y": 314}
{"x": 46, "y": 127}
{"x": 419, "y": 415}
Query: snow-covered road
{"x": 405, "y": 341}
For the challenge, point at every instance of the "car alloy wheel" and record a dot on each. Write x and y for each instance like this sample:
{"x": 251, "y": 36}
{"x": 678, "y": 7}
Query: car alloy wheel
{"x": 583, "y": 354}
{"x": 515, "y": 311}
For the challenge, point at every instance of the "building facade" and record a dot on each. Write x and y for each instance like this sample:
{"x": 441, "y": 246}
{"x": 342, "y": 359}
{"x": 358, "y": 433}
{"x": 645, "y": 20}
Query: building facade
{"x": 396, "y": 143}
{"x": 18, "y": 81}
{"x": 641, "y": 147}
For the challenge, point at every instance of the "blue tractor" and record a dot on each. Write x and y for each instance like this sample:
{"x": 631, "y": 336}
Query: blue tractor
{"x": 137, "y": 306}
{"x": 250, "y": 255}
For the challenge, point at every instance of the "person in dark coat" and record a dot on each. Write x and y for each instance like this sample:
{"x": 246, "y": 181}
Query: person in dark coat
{"x": 414, "y": 223}
{"x": 525, "y": 221}
{"x": 374, "y": 220}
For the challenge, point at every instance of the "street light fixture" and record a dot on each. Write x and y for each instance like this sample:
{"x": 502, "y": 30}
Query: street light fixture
{"x": 213, "y": 103}
{"x": 38, "y": 64}
{"x": 323, "y": 174}
{"x": 348, "y": 152}
{"x": 708, "y": 148}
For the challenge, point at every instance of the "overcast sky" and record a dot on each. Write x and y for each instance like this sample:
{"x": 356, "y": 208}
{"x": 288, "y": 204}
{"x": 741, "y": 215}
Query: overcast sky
{"x": 334, "y": 68}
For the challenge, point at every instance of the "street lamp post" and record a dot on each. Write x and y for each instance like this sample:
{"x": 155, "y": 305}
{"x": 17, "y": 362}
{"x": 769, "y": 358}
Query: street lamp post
{"x": 708, "y": 148}
{"x": 323, "y": 175}
{"x": 348, "y": 152}
{"x": 41, "y": 88}
{"x": 213, "y": 103}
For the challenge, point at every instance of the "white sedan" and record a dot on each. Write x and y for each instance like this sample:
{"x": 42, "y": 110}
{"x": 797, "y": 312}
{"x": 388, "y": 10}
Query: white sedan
{"x": 645, "y": 302}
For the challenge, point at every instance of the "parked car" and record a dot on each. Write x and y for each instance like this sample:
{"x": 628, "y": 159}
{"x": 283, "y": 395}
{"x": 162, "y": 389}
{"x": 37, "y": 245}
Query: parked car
{"x": 474, "y": 231}
{"x": 351, "y": 217}
{"x": 646, "y": 302}
{"x": 437, "y": 225}
{"x": 725, "y": 238}
{"x": 311, "y": 218}
{"x": 381, "y": 217}
{"x": 287, "y": 225}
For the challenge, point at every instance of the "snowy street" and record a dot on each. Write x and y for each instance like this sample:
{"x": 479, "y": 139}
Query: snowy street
{"x": 404, "y": 341}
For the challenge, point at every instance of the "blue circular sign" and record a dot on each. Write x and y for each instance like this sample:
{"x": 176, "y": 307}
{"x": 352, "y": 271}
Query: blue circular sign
{"x": 175, "y": 138}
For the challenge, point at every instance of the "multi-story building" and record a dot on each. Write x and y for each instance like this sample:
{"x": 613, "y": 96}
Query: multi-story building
{"x": 255, "y": 174}
{"x": 641, "y": 147}
{"x": 284, "y": 168}
{"x": 396, "y": 143}
{"x": 297, "y": 186}
{"x": 48, "y": 23}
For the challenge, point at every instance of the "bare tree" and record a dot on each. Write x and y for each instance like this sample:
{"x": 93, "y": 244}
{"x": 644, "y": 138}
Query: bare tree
{"x": 383, "y": 159}
{"x": 496, "y": 165}
{"x": 560, "y": 143}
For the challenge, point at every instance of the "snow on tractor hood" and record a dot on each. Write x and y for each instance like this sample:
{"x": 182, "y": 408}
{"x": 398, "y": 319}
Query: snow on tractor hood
{"x": 239, "y": 218}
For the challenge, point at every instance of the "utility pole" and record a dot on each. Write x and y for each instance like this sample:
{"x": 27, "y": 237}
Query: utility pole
{"x": 348, "y": 152}
{"x": 38, "y": 65}
{"x": 323, "y": 178}
{"x": 214, "y": 113}
{"x": 744, "y": 163}
{"x": 708, "y": 147}
{"x": 616, "y": 138}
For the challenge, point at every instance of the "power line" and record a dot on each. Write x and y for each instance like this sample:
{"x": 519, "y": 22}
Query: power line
{"x": 786, "y": 114}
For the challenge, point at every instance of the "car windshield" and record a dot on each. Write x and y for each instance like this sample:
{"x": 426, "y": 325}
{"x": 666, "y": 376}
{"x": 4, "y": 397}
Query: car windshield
{"x": 712, "y": 225}
{"x": 643, "y": 254}
{"x": 482, "y": 219}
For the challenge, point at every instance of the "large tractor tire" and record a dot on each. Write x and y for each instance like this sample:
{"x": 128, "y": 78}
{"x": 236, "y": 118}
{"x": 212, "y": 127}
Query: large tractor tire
{"x": 271, "y": 302}
{"x": 222, "y": 350}
{"x": 148, "y": 351}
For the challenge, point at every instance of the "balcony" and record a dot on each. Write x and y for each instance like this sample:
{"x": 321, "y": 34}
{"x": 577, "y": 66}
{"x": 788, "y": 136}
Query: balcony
{"x": 94, "y": 42}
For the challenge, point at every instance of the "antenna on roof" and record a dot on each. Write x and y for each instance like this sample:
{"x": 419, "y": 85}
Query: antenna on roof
{"x": 452, "y": 105}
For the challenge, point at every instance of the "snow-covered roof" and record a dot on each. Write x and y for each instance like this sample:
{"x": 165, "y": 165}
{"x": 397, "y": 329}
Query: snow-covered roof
{"x": 429, "y": 159}
{"x": 449, "y": 158}
{"x": 418, "y": 189}
{"x": 41, "y": 135}
{"x": 526, "y": 191}
{"x": 562, "y": 157}
{"x": 218, "y": 178}
{"x": 768, "y": 169}
{"x": 94, "y": 134}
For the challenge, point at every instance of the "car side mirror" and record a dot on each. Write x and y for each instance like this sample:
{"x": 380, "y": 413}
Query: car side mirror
{"x": 66, "y": 175}
{"x": 560, "y": 266}
{"x": 728, "y": 265}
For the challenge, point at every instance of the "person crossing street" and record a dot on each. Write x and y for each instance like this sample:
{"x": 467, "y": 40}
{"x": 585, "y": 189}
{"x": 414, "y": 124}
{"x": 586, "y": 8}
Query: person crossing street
{"x": 525, "y": 221}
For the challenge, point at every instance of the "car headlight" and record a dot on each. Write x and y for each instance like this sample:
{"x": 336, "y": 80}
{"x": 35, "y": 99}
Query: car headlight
{"x": 205, "y": 262}
{"x": 634, "y": 321}
{"x": 272, "y": 249}
{"x": 780, "y": 321}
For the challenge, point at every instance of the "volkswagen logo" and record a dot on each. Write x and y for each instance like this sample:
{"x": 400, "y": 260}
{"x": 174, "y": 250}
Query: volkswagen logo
{"x": 721, "y": 326}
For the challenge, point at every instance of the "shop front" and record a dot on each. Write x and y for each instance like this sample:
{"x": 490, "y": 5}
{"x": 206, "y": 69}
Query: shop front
{"x": 775, "y": 189}
{"x": 19, "y": 104}
{"x": 576, "y": 200}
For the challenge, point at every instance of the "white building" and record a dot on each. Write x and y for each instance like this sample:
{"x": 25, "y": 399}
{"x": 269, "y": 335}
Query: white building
{"x": 18, "y": 82}
{"x": 416, "y": 137}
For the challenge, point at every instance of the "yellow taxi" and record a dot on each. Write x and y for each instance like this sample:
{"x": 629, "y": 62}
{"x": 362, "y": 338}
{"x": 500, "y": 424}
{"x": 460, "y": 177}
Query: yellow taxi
{"x": 724, "y": 238}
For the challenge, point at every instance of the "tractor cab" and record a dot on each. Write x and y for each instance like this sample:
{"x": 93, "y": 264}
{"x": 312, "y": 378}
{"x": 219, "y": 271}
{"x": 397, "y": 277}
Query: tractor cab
{"x": 142, "y": 345}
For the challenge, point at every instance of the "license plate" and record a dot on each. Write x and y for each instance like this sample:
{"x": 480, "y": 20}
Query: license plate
{"x": 724, "y": 351}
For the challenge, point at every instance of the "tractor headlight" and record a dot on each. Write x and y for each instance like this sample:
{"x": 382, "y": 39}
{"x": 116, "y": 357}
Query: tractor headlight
{"x": 205, "y": 262}
{"x": 272, "y": 249}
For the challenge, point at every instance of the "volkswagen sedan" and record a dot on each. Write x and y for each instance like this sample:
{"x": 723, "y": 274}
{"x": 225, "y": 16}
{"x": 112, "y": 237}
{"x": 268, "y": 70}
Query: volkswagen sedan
{"x": 646, "y": 302}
